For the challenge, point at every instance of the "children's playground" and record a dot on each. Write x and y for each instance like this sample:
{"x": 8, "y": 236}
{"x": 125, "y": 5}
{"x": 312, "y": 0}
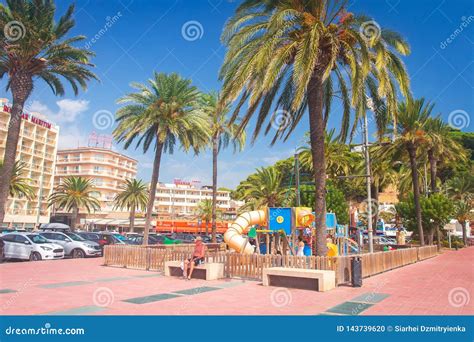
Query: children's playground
{"x": 281, "y": 231}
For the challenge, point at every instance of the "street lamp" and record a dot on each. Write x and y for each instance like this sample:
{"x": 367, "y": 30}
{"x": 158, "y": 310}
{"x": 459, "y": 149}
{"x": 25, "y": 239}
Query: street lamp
{"x": 370, "y": 105}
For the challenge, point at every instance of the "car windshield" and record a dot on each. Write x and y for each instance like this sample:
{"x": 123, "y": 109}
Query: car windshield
{"x": 37, "y": 238}
{"x": 75, "y": 237}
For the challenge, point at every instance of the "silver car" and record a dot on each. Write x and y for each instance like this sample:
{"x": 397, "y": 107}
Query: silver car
{"x": 74, "y": 245}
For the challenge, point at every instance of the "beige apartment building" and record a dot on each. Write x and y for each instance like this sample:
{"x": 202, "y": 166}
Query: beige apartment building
{"x": 37, "y": 146}
{"x": 180, "y": 199}
{"x": 107, "y": 169}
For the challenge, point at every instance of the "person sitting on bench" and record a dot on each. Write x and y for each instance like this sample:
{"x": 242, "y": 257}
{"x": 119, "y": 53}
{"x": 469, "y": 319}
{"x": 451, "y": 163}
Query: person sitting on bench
{"x": 196, "y": 260}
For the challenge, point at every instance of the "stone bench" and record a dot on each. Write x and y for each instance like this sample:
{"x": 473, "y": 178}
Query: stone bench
{"x": 206, "y": 271}
{"x": 316, "y": 280}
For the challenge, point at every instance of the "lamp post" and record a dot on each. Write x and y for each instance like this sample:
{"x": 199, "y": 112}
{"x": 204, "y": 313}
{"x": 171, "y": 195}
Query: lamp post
{"x": 370, "y": 105}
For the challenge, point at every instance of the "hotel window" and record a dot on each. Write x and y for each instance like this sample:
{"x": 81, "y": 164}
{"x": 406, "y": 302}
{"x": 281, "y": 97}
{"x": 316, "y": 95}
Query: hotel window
{"x": 65, "y": 169}
{"x": 97, "y": 181}
{"x": 65, "y": 157}
{"x": 76, "y": 168}
{"x": 76, "y": 157}
{"x": 99, "y": 157}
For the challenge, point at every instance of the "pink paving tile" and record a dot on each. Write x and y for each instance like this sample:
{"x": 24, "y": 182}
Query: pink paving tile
{"x": 424, "y": 288}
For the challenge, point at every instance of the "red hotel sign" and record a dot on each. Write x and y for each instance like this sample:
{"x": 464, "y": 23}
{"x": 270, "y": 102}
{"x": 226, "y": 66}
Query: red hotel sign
{"x": 29, "y": 117}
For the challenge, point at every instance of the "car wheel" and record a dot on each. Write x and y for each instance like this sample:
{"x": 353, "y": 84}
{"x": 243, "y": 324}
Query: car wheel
{"x": 78, "y": 253}
{"x": 35, "y": 256}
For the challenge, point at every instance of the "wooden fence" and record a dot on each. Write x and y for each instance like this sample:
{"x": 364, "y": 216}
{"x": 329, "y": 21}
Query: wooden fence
{"x": 251, "y": 266}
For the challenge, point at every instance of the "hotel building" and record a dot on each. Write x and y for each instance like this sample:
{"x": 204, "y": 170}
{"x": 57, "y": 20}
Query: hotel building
{"x": 37, "y": 146}
{"x": 107, "y": 169}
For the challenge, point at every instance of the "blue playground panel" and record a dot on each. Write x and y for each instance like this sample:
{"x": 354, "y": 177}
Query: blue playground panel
{"x": 331, "y": 221}
{"x": 280, "y": 219}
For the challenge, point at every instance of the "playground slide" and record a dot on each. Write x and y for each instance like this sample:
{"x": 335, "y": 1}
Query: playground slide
{"x": 233, "y": 236}
{"x": 354, "y": 246}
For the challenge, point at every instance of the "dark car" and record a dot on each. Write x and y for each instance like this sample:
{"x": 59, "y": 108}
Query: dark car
{"x": 183, "y": 237}
{"x": 2, "y": 245}
{"x": 89, "y": 236}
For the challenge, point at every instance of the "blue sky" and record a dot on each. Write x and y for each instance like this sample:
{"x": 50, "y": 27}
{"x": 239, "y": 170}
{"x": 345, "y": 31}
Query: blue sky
{"x": 146, "y": 35}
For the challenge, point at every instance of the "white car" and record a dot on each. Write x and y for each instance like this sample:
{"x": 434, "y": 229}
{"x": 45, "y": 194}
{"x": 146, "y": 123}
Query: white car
{"x": 30, "y": 246}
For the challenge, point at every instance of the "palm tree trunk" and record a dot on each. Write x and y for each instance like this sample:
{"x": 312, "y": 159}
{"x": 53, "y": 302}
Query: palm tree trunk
{"x": 151, "y": 197}
{"x": 317, "y": 128}
{"x": 416, "y": 192}
{"x": 132, "y": 219}
{"x": 375, "y": 197}
{"x": 21, "y": 87}
{"x": 464, "y": 233}
{"x": 207, "y": 227}
{"x": 75, "y": 214}
{"x": 433, "y": 170}
{"x": 214, "y": 185}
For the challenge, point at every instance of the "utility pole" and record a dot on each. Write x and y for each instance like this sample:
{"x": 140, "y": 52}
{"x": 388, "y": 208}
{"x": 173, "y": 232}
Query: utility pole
{"x": 369, "y": 177}
{"x": 297, "y": 180}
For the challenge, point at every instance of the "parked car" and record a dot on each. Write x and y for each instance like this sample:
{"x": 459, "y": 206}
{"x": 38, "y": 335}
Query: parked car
{"x": 30, "y": 246}
{"x": 2, "y": 245}
{"x": 73, "y": 244}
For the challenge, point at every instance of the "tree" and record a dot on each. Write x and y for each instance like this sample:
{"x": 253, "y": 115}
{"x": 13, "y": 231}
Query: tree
{"x": 461, "y": 187}
{"x": 339, "y": 158}
{"x": 72, "y": 194}
{"x": 133, "y": 196}
{"x": 206, "y": 212}
{"x": 462, "y": 213}
{"x": 222, "y": 133}
{"x": 161, "y": 115}
{"x": 19, "y": 185}
{"x": 297, "y": 55}
{"x": 437, "y": 209}
{"x": 335, "y": 201}
{"x": 33, "y": 45}
{"x": 264, "y": 188}
{"x": 442, "y": 146}
{"x": 411, "y": 135}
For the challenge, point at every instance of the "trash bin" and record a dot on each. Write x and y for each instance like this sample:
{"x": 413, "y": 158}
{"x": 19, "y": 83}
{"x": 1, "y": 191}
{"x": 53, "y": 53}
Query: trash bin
{"x": 356, "y": 268}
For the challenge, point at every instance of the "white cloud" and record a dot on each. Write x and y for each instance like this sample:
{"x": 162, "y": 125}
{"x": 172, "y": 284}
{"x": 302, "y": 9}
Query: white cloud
{"x": 68, "y": 110}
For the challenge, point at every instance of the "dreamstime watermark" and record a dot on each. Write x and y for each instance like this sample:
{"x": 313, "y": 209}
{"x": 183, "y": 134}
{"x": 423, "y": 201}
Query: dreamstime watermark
{"x": 103, "y": 297}
{"x": 281, "y": 119}
{"x": 281, "y": 297}
{"x": 373, "y": 205}
{"x": 458, "y": 297}
{"x": 464, "y": 24}
{"x": 14, "y": 30}
{"x": 459, "y": 119}
{"x": 109, "y": 22}
{"x": 45, "y": 330}
{"x": 370, "y": 30}
{"x": 103, "y": 119}
{"x": 192, "y": 30}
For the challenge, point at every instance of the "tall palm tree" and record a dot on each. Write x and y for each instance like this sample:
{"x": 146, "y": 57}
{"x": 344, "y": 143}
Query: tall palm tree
{"x": 462, "y": 213}
{"x": 461, "y": 187}
{"x": 293, "y": 55}
{"x": 339, "y": 158}
{"x": 222, "y": 134}
{"x": 206, "y": 212}
{"x": 411, "y": 135}
{"x": 133, "y": 196}
{"x": 264, "y": 188}
{"x": 442, "y": 146}
{"x": 19, "y": 185}
{"x": 33, "y": 45}
{"x": 161, "y": 114}
{"x": 72, "y": 194}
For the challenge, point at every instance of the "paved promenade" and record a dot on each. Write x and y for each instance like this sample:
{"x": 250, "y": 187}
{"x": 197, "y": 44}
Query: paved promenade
{"x": 443, "y": 285}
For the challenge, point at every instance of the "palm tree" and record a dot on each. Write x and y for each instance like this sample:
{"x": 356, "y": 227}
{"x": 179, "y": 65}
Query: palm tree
{"x": 442, "y": 146}
{"x": 293, "y": 55}
{"x": 206, "y": 213}
{"x": 462, "y": 213}
{"x": 461, "y": 187}
{"x": 19, "y": 185}
{"x": 160, "y": 115}
{"x": 133, "y": 196}
{"x": 339, "y": 158}
{"x": 72, "y": 194}
{"x": 264, "y": 188}
{"x": 411, "y": 135}
{"x": 34, "y": 45}
{"x": 222, "y": 133}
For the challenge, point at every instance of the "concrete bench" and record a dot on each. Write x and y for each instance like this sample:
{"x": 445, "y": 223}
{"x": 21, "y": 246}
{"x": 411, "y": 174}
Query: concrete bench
{"x": 206, "y": 271}
{"x": 316, "y": 280}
